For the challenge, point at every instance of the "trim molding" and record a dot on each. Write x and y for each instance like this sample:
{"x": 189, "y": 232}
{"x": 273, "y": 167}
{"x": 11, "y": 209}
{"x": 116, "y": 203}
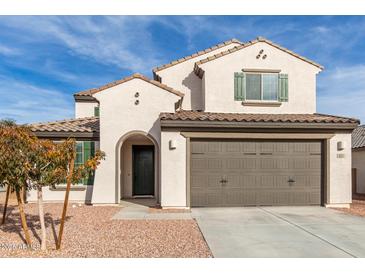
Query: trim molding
{"x": 239, "y": 135}
{"x": 260, "y": 125}
{"x": 261, "y": 70}
{"x": 188, "y": 163}
{"x": 63, "y": 135}
{"x": 261, "y": 104}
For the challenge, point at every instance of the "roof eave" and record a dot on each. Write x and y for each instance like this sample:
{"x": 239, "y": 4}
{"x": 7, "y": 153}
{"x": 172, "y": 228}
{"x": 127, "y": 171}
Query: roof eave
{"x": 64, "y": 135}
{"x": 84, "y": 98}
{"x": 254, "y": 125}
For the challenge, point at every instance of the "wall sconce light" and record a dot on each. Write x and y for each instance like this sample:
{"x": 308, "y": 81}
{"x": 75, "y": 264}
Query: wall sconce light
{"x": 261, "y": 51}
{"x": 136, "y": 94}
{"x": 264, "y": 57}
{"x": 172, "y": 144}
{"x": 136, "y": 102}
{"x": 340, "y": 146}
{"x": 258, "y": 56}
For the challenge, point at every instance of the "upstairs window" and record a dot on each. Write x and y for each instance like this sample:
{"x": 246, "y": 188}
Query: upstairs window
{"x": 261, "y": 87}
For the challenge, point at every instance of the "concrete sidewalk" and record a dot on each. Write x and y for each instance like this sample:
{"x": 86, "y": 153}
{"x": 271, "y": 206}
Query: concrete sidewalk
{"x": 140, "y": 211}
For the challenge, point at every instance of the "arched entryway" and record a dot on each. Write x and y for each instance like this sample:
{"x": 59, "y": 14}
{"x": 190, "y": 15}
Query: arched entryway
{"x": 138, "y": 165}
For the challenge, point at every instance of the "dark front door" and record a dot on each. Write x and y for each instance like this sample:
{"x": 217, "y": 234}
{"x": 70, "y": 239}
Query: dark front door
{"x": 143, "y": 170}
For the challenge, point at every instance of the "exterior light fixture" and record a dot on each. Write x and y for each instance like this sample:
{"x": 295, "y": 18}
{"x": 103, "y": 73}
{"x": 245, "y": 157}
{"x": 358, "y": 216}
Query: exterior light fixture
{"x": 172, "y": 144}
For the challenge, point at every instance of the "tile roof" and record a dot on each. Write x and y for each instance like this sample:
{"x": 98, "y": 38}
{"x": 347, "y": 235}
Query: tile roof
{"x": 199, "y": 53}
{"x": 92, "y": 91}
{"x": 199, "y": 71}
{"x": 358, "y": 137}
{"x": 184, "y": 115}
{"x": 80, "y": 125}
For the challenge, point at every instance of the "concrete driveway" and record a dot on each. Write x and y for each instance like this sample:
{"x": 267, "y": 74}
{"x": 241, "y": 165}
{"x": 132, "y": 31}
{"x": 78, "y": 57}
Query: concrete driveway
{"x": 281, "y": 232}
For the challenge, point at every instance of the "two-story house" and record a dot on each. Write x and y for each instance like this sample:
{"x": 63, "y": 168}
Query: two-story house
{"x": 231, "y": 125}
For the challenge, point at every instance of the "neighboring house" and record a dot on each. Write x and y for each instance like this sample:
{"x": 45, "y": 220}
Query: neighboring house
{"x": 358, "y": 158}
{"x": 232, "y": 125}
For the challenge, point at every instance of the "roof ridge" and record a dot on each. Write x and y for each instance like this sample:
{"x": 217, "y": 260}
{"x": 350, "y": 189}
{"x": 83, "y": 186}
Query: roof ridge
{"x": 196, "y": 54}
{"x": 199, "y": 71}
{"x": 140, "y": 76}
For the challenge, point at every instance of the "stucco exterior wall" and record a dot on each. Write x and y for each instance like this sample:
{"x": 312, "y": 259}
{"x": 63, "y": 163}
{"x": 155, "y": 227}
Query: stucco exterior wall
{"x": 183, "y": 78}
{"x": 82, "y": 195}
{"x": 340, "y": 171}
{"x": 358, "y": 162}
{"x": 84, "y": 109}
{"x": 173, "y": 170}
{"x": 119, "y": 116}
{"x": 219, "y": 80}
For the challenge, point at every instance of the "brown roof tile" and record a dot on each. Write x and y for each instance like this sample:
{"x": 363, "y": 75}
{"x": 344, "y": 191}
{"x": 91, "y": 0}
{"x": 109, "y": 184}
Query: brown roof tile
{"x": 199, "y": 53}
{"x": 80, "y": 125}
{"x": 90, "y": 92}
{"x": 249, "y": 117}
{"x": 358, "y": 137}
{"x": 199, "y": 71}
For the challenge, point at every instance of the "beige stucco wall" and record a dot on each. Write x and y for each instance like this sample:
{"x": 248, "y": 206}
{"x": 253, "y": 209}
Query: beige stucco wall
{"x": 183, "y": 78}
{"x": 358, "y": 162}
{"x": 219, "y": 80}
{"x": 118, "y": 117}
{"x": 82, "y": 195}
{"x": 340, "y": 186}
{"x": 84, "y": 109}
{"x": 173, "y": 170}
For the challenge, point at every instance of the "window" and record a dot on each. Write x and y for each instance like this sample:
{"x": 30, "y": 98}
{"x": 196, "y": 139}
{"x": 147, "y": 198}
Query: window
{"x": 84, "y": 151}
{"x": 96, "y": 111}
{"x": 262, "y": 86}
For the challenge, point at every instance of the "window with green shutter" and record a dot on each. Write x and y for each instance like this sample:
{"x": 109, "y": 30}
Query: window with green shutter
{"x": 283, "y": 87}
{"x": 260, "y": 87}
{"x": 84, "y": 151}
{"x": 96, "y": 111}
{"x": 239, "y": 86}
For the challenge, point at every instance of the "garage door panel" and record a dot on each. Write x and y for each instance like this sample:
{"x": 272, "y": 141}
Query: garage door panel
{"x": 233, "y": 163}
{"x": 249, "y": 163}
{"x": 257, "y": 173}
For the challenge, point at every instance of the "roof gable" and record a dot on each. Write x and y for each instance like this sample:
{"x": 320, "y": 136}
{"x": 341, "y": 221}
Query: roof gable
{"x": 199, "y": 71}
{"x": 197, "y": 54}
{"x": 91, "y": 92}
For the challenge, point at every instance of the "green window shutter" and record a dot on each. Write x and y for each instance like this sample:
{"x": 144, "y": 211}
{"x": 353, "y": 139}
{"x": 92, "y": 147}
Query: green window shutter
{"x": 283, "y": 87}
{"x": 239, "y": 86}
{"x": 89, "y": 152}
{"x": 79, "y": 160}
{"x": 96, "y": 111}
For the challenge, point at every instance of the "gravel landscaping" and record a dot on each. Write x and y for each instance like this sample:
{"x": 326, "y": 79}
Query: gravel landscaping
{"x": 357, "y": 208}
{"x": 90, "y": 232}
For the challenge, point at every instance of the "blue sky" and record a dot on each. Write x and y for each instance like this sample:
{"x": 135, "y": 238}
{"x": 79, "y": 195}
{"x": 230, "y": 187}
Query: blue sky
{"x": 45, "y": 59}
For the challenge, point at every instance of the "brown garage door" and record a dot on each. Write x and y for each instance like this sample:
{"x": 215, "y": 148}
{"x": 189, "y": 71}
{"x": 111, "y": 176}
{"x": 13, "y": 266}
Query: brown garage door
{"x": 249, "y": 173}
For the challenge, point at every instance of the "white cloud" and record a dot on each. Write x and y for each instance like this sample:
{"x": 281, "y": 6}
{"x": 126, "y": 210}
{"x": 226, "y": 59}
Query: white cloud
{"x": 342, "y": 91}
{"x": 27, "y": 103}
{"x": 8, "y": 51}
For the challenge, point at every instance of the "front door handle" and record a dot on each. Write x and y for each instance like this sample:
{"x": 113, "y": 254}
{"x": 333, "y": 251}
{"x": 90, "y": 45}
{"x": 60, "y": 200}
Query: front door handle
{"x": 224, "y": 180}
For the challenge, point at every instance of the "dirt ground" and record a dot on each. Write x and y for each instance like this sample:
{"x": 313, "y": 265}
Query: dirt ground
{"x": 90, "y": 232}
{"x": 357, "y": 208}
